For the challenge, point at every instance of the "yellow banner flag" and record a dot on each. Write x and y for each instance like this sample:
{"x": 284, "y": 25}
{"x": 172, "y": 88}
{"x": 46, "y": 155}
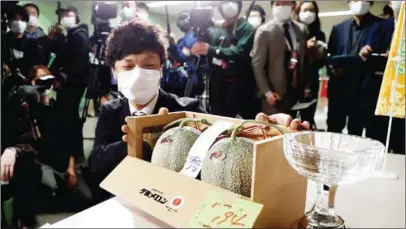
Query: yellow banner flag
{"x": 391, "y": 100}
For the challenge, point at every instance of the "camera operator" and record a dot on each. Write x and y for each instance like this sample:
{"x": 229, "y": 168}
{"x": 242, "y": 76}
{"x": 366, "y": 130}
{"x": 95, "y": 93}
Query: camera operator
{"x": 232, "y": 84}
{"x": 18, "y": 54}
{"x": 30, "y": 142}
{"x": 72, "y": 58}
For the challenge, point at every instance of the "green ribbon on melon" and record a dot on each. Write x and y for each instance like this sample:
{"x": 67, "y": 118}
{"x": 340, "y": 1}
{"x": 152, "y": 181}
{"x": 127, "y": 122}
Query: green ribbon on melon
{"x": 241, "y": 125}
{"x": 182, "y": 122}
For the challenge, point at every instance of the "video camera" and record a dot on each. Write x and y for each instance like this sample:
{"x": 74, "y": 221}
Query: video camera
{"x": 6, "y": 6}
{"x": 102, "y": 12}
{"x": 201, "y": 20}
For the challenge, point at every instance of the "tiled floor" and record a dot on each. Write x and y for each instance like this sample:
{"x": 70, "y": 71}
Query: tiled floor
{"x": 88, "y": 133}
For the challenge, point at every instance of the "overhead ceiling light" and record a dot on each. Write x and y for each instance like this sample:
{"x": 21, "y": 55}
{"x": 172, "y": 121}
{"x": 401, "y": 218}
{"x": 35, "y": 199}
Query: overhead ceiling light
{"x": 170, "y": 3}
{"x": 335, "y": 13}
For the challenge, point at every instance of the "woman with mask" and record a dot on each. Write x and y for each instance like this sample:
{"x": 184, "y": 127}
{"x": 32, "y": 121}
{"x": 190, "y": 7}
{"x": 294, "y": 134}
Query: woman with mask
{"x": 257, "y": 16}
{"x": 316, "y": 47}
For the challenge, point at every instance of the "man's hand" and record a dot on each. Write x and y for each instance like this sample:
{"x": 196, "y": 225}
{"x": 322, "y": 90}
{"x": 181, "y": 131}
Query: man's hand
{"x": 8, "y": 160}
{"x": 284, "y": 120}
{"x": 272, "y": 98}
{"x": 311, "y": 43}
{"x": 71, "y": 173}
{"x": 308, "y": 94}
{"x": 55, "y": 29}
{"x": 200, "y": 49}
{"x": 365, "y": 52}
{"x": 126, "y": 129}
{"x": 71, "y": 177}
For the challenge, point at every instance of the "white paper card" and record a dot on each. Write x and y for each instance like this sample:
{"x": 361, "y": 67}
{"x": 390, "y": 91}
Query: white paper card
{"x": 18, "y": 54}
{"x": 200, "y": 148}
{"x": 217, "y": 61}
{"x": 302, "y": 106}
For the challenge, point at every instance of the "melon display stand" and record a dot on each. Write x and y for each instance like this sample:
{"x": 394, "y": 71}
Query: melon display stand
{"x": 275, "y": 184}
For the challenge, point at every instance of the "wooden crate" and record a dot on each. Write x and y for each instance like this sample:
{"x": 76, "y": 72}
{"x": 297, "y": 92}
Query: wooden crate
{"x": 274, "y": 182}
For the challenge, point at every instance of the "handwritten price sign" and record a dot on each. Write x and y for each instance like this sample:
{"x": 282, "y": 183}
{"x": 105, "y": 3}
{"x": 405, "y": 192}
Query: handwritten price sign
{"x": 217, "y": 212}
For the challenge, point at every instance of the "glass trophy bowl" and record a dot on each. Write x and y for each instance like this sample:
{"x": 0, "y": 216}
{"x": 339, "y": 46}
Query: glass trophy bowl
{"x": 330, "y": 160}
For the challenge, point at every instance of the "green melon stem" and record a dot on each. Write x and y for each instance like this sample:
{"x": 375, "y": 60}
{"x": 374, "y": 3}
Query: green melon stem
{"x": 182, "y": 122}
{"x": 199, "y": 120}
{"x": 241, "y": 125}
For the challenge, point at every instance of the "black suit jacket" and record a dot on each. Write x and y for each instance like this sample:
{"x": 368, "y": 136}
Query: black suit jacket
{"x": 109, "y": 149}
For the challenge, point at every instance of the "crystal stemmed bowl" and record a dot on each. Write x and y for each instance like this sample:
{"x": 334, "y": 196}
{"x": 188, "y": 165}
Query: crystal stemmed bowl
{"x": 330, "y": 160}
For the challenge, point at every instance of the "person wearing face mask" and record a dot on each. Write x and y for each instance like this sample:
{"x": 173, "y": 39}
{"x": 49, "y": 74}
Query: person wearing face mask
{"x": 137, "y": 66}
{"x": 33, "y": 30}
{"x": 232, "y": 85}
{"x": 278, "y": 59}
{"x": 142, "y": 11}
{"x": 316, "y": 47}
{"x": 72, "y": 58}
{"x": 128, "y": 11}
{"x": 346, "y": 39}
{"x": 379, "y": 41}
{"x": 257, "y": 16}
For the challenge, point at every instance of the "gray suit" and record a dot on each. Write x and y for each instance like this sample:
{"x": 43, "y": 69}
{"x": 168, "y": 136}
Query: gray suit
{"x": 268, "y": 62}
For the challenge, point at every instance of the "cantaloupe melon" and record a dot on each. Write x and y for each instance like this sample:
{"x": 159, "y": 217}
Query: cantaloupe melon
{"x": 229, "y": 163}
{"x": 173, "y": 146}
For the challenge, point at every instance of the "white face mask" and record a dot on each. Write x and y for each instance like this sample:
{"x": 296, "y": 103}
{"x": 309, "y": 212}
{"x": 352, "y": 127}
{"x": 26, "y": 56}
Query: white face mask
{"x": 18, "y": 26}
{"x": 282, "y": 13}
{"x": 396, "y": 5}
{"x": 68, "y": 22}
{"x": 360, "y": 8}
{"x": 33, "y": 21}
{"x": 139, "y": 85}
{"x": 143, "y": 15}
{"x": 255, "y": 21}
{"x": 307, "y": 17}
{"x": 128, "y": 13}
{"x": 229, "y": 9}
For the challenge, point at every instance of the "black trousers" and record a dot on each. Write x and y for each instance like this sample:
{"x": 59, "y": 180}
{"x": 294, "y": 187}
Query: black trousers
{"x": 25, "y": 187}
{"x": 229, "y": 97}
{"x": 339, "y": 109}
{"x": 68, "y": 101}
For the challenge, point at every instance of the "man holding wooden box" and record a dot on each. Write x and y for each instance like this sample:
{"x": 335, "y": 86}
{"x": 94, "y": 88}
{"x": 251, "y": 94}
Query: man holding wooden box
{"x": 135, "y": 52}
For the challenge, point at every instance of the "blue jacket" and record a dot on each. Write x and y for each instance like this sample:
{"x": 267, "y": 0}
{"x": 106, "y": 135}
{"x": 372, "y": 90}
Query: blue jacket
{"x": 186, "y": 43}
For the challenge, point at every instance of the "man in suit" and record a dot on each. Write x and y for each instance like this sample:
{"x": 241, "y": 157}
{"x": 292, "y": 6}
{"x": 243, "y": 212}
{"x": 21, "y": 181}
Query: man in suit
{"x": 347, "y": 38}
{"x": 278, "y": 60}
{"x": 135, "y": 52}
{"x": 379, "y": 41}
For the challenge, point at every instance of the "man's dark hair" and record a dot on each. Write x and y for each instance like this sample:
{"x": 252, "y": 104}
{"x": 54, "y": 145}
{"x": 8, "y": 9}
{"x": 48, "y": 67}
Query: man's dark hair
{"x": 387, "y": 10}
{"x": 32, "y": 5}
{"x": 18, "y": 10}
{"x": 134, "y": 37}
{"x": 260, "y": 10}
{"x": 272, "y": 2}
{"x": 142, "y": 5}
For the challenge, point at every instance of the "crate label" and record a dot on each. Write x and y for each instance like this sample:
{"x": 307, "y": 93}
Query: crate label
{"x": 220, "y": 212}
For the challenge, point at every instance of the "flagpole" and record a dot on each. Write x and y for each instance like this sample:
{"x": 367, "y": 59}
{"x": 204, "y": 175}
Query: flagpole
{"x": 383, "y": 173}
